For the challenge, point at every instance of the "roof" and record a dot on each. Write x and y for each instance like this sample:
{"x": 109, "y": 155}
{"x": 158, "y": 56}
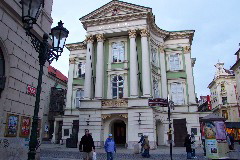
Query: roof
{"x": 56, "y": 73}
{"x": 213, "y": 117}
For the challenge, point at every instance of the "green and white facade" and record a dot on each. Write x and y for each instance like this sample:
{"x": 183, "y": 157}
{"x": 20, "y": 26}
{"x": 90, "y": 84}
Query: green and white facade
{"x": 125, "y": 60}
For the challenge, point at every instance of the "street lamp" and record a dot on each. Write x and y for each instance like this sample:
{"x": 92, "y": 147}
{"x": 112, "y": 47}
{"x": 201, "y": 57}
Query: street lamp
{"x": 30, "y": 13}
{"x": 170, "y": 105}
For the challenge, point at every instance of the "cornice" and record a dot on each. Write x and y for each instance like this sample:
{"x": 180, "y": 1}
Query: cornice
{"x": 76, "y": 46}
{"x": 114, "y": 19}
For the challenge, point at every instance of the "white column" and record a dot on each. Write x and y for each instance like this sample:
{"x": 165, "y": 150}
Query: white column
{"x": 88, "y": 73}
{"x": 71, "y": 73}
{"x": 163, "y": 72}
{"x": 99, "y": 68}
{"x": 190, "y": 81}
{"x": 133, "y": 65}
{"x": 145, "y": 64}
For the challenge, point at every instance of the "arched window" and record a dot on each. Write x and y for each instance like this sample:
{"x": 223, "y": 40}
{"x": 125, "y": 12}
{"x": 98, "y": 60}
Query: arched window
{"x": 2, "y": 71}
{"x": 118, "y": 50}
{"x": 117, "y": 87}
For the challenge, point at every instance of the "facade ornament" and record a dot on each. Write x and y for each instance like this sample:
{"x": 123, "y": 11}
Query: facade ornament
{"x": 161, "y": 49}
{"x": 132, "y": 33}
{"x": 186, "y": 49}
{"x": 72, "y": 60}
{"x": 115, "y": 103}
{"x": 144, "y": 33}
{"x": 104, "y": 116}
{"x": 100, "y": 37}
{"x": 89, "y": 39}
{"x": 124, "y": 115}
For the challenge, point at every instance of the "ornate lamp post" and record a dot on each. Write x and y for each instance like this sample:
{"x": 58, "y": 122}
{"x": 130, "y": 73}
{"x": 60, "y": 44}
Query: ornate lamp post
{"x": 170, "y": 105}
{"x": 30, "y": 13}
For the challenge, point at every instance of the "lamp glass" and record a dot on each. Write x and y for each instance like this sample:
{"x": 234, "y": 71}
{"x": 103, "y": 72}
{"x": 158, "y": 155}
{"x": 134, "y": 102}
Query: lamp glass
{"x": 59, "y": 35}
{"x": 30, "y": 10}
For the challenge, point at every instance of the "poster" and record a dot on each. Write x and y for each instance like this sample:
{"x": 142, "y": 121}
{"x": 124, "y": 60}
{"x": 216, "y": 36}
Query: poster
{"x": 210, "y": 130}
{"x": 220, "y": 130}
{"x": 25, "y": 126}
{"x": 211, "y": 148}
{"x": 11, "y": 125}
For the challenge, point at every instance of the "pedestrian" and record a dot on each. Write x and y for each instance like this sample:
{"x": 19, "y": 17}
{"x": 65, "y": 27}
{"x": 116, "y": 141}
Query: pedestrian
{"x": 231, "y": 137}
{"x": 187, "y": 144}
{"x": 193, "y": 145}
{"x": 110, "y": 147}
{"x": 228, "y": 140}
{"x": 142, "y": 142}
{"x": 87, "y": 145}
{"x": 146, "y": 147}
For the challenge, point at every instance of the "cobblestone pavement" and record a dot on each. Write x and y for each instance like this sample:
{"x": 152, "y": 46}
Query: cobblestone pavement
{"x": 58, "y": 152}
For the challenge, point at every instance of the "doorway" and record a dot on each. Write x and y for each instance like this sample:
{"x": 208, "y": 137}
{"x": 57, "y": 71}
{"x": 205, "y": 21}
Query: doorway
{"x": 180, "y": 131}
{"x": 119, "y": 132}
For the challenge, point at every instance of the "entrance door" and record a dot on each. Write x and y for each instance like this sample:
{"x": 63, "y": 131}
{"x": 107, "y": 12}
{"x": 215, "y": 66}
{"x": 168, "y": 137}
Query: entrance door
{"x": 180, "y": 131}
{"x": 119, "y": 128}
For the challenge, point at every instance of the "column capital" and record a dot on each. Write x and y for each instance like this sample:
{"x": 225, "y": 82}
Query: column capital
{"x": 144, "y": 32}
{"x": 132, "y": 33}
{"x": 72, "y": 60}
{"x": 89, "y": 38}
{"x": 161, "y": 48}
{"x": 186, "y": 49}
{"x": 100, "y": 37}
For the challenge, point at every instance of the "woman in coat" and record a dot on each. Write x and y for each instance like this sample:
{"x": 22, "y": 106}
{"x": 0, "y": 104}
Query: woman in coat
{"x": 110, "y": 147}
{"x": 187, "y": 144}
{"x": 146, "y": 147}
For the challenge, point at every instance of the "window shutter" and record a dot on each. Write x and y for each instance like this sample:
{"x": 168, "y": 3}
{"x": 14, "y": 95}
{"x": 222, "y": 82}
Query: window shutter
{"x": 180, "y": 94}
{"x": 171, "y": 63}
{"x": 174, "y": 92}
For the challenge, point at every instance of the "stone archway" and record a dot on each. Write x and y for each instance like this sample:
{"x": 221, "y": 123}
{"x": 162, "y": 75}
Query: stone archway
{"x": 159, "y": 133}
{"x": 118, "y": 129}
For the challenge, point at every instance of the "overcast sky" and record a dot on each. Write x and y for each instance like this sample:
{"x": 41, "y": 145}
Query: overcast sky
{"x": 216, "y": 24}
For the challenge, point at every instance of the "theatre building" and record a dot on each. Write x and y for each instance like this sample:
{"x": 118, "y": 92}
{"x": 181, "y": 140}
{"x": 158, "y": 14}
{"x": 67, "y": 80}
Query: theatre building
{"x": 125, "y": 60}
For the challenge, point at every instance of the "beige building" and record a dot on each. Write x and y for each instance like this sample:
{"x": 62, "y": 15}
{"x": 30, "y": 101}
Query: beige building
{"x": 128, "y": 60}
{"x": 224, "y": 97}
{"x": 18, "y": 77}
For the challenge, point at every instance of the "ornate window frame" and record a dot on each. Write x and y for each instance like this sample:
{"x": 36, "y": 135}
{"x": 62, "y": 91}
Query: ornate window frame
{"x": 180, "y": 59}
{"x": 110, "y": 58}
{"x": 182, "y": 82}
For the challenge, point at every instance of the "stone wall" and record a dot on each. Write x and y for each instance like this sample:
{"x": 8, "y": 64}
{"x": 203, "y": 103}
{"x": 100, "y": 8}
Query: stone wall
{"x": 21, "y": 68}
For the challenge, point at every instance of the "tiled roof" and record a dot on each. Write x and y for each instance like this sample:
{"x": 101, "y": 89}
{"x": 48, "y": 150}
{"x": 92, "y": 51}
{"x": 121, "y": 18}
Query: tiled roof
{"x": 56, "y": 73}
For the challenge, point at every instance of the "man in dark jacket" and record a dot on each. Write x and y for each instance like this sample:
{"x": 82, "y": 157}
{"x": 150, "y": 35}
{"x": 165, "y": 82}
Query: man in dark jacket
{"x": 87, "y": 145}
{"x": 187, "y": 144}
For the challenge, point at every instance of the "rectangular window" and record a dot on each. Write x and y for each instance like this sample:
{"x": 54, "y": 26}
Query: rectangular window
{"x": 174, "y": 62}
{"x": 118, "y": 51}
{"x": 225, "y": 114}
{"x": 177, "y": 93}
{"x": 81, "y": 70}
{"x": 224, "y": 100}
{"x": 79, "y": 96}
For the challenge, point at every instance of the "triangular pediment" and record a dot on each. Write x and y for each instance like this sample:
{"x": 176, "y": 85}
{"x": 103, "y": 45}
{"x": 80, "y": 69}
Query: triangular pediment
{"x": 115, "y": 8}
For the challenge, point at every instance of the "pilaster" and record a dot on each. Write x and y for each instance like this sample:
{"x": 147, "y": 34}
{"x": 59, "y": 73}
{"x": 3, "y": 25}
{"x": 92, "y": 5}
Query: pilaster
{"x": 70, "y": 82}
{"x": 133, "y": 65}
{"x": 145, "y": 64}
{"x": 88, "y": 74}
{"x": 99, "y": 67}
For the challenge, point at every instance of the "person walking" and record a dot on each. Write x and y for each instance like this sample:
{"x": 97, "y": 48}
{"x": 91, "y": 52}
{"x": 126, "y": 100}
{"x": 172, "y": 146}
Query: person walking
{"x": 142, "y": 142}
{"x": 87, "y": 145}
{"x": 231, "y": 137}
{"x": 193, "y": 145}
{"x": 187, "y": 144}
{"x": 110, "y": 147}
{"x": 146, "y": 147}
